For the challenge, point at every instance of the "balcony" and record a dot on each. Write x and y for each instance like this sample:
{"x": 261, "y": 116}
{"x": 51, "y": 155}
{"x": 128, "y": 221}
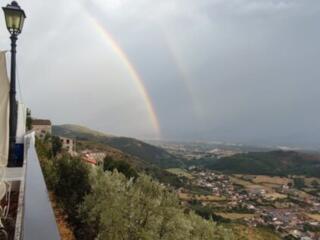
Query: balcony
{"x": 28, "y": 214}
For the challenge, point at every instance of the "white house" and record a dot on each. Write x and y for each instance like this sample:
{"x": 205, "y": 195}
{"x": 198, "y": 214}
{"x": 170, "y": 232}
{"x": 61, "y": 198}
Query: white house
{"x": 42, "y": 127}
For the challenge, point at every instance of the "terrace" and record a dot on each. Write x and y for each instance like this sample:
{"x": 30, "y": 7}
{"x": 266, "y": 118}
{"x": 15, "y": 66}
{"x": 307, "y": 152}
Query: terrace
{"x": 26, "y": 209}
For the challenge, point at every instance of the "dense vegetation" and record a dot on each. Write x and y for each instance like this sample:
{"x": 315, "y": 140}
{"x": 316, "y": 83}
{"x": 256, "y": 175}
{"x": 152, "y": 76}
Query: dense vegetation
{"x": 166, "y": 177}
{"x": 142, "y": 210}
{"x": 108, "y": 205}
{"x": 109, "y": 164}
{"x": 279, "y": 163}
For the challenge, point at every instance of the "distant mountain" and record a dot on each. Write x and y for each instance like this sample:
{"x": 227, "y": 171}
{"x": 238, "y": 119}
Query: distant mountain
{"x": 269, "y": 163}
{"x": 77, "y": 131}
{"x": 140, "y": 150}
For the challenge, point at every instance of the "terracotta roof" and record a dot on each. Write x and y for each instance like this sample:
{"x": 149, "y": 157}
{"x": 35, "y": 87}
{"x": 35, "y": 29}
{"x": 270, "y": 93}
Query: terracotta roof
{"x": 41, "y": 122}
{"x": 90, "y": 160}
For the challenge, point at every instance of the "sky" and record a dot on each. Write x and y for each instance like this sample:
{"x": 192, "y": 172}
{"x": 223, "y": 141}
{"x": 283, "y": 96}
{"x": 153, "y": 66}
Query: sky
{"x": 244, "y": 71}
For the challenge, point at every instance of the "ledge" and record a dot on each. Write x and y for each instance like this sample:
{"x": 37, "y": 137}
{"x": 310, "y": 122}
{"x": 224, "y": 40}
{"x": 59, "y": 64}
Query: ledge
{"x": 38, "y": 219}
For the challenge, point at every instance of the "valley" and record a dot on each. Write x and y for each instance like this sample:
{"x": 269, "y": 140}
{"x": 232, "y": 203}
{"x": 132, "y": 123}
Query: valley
{"x": 270, "y": 191}
{"x": 275, "y": 203}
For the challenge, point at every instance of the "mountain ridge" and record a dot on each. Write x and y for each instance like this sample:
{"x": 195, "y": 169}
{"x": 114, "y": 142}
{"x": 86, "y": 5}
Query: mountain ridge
{"x": 269, "y": 163}
{"x": 134, "y": 147}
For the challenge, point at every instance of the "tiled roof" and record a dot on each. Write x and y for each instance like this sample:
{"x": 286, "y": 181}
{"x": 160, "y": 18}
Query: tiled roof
{"x": 90, "y": 160}
{"x": 41, "y": 122}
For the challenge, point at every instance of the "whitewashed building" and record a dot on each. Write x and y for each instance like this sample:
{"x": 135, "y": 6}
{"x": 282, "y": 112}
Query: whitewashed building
{"x": 42, "y": 127}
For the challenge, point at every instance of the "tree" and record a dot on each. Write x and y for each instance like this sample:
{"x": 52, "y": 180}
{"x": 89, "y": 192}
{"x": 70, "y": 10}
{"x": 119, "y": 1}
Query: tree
{"x": 29, "y": 120}
{"x": 68, "y": 178}
{"x": 56, "y": 145}
{"x": 109, "y": 164}
{"x": 44, "y": 149}
{"x": 72, "y": 184}
{"x": 298, "y": 183}
{"x": 142, "y": 209}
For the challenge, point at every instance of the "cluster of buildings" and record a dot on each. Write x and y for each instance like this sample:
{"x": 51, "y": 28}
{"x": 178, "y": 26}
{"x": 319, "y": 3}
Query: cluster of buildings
{"x": 194, "y": 151}
{"x": 283, "y": 209}
{"x": 93, "y": 157}
{"x": 220, "y": 153}
{"x": 43, "y": 128}
{"x": 289, "y": 222}
{"x": 219, "y": 184}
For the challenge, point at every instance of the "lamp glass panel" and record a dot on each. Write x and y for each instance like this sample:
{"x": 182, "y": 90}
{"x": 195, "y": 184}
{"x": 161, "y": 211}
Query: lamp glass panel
{"x": 21, "y": 21}
{"x": 13, "y": 19}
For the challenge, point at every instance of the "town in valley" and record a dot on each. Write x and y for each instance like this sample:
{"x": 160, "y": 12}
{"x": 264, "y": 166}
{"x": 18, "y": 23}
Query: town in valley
{"x": 288, "y": 205}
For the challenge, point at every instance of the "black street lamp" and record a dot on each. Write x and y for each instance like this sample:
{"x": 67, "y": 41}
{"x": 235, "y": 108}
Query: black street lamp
{"x": 14, "y": 16}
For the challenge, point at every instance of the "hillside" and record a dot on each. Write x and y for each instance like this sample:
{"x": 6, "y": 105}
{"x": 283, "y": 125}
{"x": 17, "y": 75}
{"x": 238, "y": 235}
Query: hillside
{"x": 77, "y": 131}
{"x": 130, "y": 146}
{"x": 117, "y": 154}
{"x": 270, "y": 163}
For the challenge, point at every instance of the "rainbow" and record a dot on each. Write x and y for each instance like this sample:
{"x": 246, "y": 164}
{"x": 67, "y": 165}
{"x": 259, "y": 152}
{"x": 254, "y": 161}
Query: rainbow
{"x": 132, "y": 71}
{"x": 173, "y": 48}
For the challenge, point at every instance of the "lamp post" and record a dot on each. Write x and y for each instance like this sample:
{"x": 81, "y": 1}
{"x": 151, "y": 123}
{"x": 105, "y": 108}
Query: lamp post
{"x": 14, "y": 16}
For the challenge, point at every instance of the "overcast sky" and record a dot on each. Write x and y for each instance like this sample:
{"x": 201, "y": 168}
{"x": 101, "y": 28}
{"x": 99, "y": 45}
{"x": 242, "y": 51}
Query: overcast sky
{"x": 234, "y": 70}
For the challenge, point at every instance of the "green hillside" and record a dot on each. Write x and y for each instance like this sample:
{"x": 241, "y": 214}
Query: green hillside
{"x": 73, "y": 130}
{"x": 136, "y": 148}
{"x": 270, "y": 163}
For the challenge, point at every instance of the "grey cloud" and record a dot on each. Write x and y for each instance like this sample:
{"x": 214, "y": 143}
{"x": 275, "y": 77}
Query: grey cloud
{"x": 238, "y": 70}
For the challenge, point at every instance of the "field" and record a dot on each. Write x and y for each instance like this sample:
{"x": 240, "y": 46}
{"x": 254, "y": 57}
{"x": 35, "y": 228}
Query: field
{"x": 275, "y": 195}
{"x": 263, "y": 182}
{"x": 308, "y": 181}
{"x": 235, "y": 216}
{"x": 202, "y": 198}
{"x": 250, "y": 185}
{"x": 249, "y": 233}
{"x": 238, "y": 181}
{"x": 303, "y": 194}
{"x": 180, "y": 172}
{"x": 262, "y": 179}
{"x": 315, "y": 217}
{"x": 271, "y": 180}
